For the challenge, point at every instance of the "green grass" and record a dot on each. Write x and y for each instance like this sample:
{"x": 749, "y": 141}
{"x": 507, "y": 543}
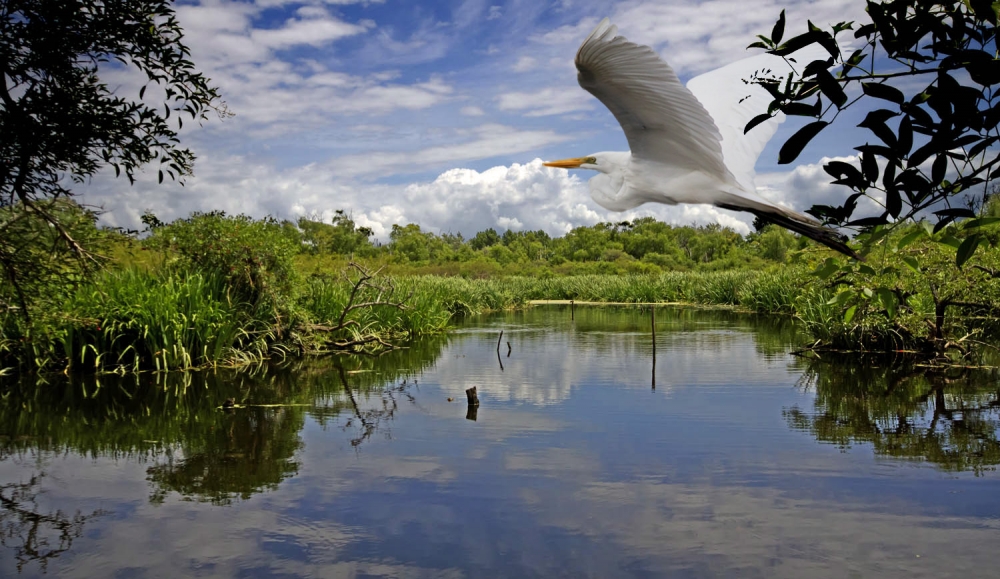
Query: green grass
{"x": 140, "y": 320}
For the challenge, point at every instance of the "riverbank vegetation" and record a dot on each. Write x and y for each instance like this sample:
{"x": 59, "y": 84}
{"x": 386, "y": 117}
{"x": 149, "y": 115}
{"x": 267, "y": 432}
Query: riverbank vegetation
{"x": 214, "y": 289}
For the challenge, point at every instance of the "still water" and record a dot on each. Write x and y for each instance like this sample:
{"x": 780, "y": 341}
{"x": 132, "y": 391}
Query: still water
{"x": 729, "y": 457}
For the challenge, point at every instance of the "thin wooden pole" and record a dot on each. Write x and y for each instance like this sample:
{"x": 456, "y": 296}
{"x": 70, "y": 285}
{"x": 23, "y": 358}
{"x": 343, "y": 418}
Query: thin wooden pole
{"x": 652, "y": 325}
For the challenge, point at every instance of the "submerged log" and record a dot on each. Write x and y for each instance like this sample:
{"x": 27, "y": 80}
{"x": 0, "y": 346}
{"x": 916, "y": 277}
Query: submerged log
{"x": 472, "y": 396}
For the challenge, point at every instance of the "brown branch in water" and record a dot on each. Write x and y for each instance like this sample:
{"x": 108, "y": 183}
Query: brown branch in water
{"x": 385, "y": 290}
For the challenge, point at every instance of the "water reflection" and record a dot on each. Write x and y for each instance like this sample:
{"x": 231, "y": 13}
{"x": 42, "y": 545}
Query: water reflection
{"x": 32, "y": 533}
{"x": 571, "y": 466}
{"x": 949, "y": 418}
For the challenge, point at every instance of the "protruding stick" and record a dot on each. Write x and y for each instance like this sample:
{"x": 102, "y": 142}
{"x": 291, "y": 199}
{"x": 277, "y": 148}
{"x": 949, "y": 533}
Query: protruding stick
{"x": 499, "y": 338}
{"x": 508, "y": 349}
{"x": 653, "y": 327}
{"x": 472, "y": 396}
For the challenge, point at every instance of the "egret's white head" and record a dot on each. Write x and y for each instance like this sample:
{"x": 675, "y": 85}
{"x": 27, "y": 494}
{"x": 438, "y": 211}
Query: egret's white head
{"x": 604, "y": 162}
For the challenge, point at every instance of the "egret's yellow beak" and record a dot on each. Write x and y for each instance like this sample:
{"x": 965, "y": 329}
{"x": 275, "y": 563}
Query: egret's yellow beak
{"x": 567, "y": 163}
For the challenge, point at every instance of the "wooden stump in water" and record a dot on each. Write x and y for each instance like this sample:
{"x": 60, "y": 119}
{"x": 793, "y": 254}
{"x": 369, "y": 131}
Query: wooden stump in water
{"x": 472, "y": 414}
{"x": 473, "y": 397}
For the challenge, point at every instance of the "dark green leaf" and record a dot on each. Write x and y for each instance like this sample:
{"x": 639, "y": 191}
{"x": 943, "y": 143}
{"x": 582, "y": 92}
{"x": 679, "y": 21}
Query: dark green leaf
{"x": 980, "y": 222}
{"x": 883, "y": 91}
{"x": 846, "y": 174}
{"x": 855, "y": 58}
{"x": 956, "y": 212}
{"x": 779, "y": 29}
{"x": 794, "y": 145}
{"x": 966, "y": 249}
{"x": 827, "y": 268}
{"x": 802, "y": 109}
{"x": 868, "y": 222}
{"x": 984, "y": 10}
{"x": 911, "y": 263}
{"x": 950, "y": 241}
{"x": 798, "y": 42}
{"x": 869, "y": 166}
{"x": 888, "y": 300}
{"x": 904, "y": 140}
{"x": 939, "y": 168}
{"x": 849, "y": 314}
{"x": 831, "y": 88}
{"x": 910, "y": 238}
{"x": 875, "y": 122}
{"x": 756, "y": 121}
{"x": 893, "y": 202}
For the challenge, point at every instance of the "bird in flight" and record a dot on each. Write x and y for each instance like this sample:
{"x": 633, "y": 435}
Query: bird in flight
{"x": 687, "y": 143}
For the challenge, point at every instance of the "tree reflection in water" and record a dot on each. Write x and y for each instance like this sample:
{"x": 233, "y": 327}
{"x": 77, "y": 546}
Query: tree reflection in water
{"x": 195, "y": 449}
{"x": 33, "y": 534}
{"x": 372, "y": 419}
{"x": 249, "y": 450}
{"x": 947, "y": 418}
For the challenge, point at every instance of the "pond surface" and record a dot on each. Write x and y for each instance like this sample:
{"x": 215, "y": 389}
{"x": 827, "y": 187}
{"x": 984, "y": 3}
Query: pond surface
{"x": 729, "y": 458}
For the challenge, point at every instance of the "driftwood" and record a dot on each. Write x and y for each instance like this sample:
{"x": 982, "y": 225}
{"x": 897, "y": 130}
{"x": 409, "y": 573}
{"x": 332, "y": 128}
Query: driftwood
{"x": 470, "y": 393}
{"x": 361, "y": 336}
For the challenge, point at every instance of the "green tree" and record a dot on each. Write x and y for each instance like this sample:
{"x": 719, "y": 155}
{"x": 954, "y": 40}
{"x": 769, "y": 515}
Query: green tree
{"x": 484, "y": 239}
{"x": 410, "y": 243}
{"x": 60, "y": 123}
{"x": 254, "y": 256}
{"x": 341, "y": 235}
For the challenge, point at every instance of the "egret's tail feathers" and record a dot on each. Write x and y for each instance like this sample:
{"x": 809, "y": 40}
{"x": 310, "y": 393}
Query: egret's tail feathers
{"x": 804, "y": 226}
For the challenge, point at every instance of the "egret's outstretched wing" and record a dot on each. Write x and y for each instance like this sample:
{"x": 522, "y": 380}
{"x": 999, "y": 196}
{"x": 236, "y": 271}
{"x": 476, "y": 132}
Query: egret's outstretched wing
{"x": 732, "y": 103}
{"x": 662, "y": 120}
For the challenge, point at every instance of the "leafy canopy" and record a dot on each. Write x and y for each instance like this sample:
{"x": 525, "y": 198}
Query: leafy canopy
{"x": 59, "y": 119}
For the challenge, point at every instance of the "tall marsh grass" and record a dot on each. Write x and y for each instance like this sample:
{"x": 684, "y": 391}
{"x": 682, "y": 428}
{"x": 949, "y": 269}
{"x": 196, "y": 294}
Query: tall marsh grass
{"x": 134, "y": 319}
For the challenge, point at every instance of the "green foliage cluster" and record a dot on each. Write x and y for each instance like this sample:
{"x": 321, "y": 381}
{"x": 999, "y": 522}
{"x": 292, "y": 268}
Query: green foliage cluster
{"x": 909, "y": 294}
{"x": 206, "y": 290}
{"x": 254, "y": 257}
{"x": 629, "y": 247}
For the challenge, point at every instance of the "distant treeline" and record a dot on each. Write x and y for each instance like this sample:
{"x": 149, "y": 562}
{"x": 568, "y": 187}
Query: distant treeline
{"x": 644, "y": 245}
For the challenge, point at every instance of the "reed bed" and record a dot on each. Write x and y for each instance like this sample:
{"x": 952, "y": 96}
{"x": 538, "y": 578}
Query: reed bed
{"x": 137, "y": 320}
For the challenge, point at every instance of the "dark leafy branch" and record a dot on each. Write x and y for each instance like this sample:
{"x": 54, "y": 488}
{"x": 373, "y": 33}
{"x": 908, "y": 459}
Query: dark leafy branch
{"x": 931, "y": 145}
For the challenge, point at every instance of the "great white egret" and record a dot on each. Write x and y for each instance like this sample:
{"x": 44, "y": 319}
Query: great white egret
{"x": 687, "y": 143}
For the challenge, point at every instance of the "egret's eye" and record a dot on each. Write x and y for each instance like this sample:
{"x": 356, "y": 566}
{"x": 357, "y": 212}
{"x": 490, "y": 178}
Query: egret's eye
{"x": 590, "y": 161}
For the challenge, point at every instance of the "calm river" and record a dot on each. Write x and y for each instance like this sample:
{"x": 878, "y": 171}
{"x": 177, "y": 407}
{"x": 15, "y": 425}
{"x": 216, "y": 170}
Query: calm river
{"x": 730, "y": 457}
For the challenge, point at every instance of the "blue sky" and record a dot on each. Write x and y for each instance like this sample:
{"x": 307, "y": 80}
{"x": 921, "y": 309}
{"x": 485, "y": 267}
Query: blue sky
{"x": 437, "y": 112}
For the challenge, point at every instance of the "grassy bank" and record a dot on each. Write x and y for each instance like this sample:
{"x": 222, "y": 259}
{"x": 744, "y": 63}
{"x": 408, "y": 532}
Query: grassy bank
{"x": 136, "y": 319}
{"x": 223, "y": 290}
